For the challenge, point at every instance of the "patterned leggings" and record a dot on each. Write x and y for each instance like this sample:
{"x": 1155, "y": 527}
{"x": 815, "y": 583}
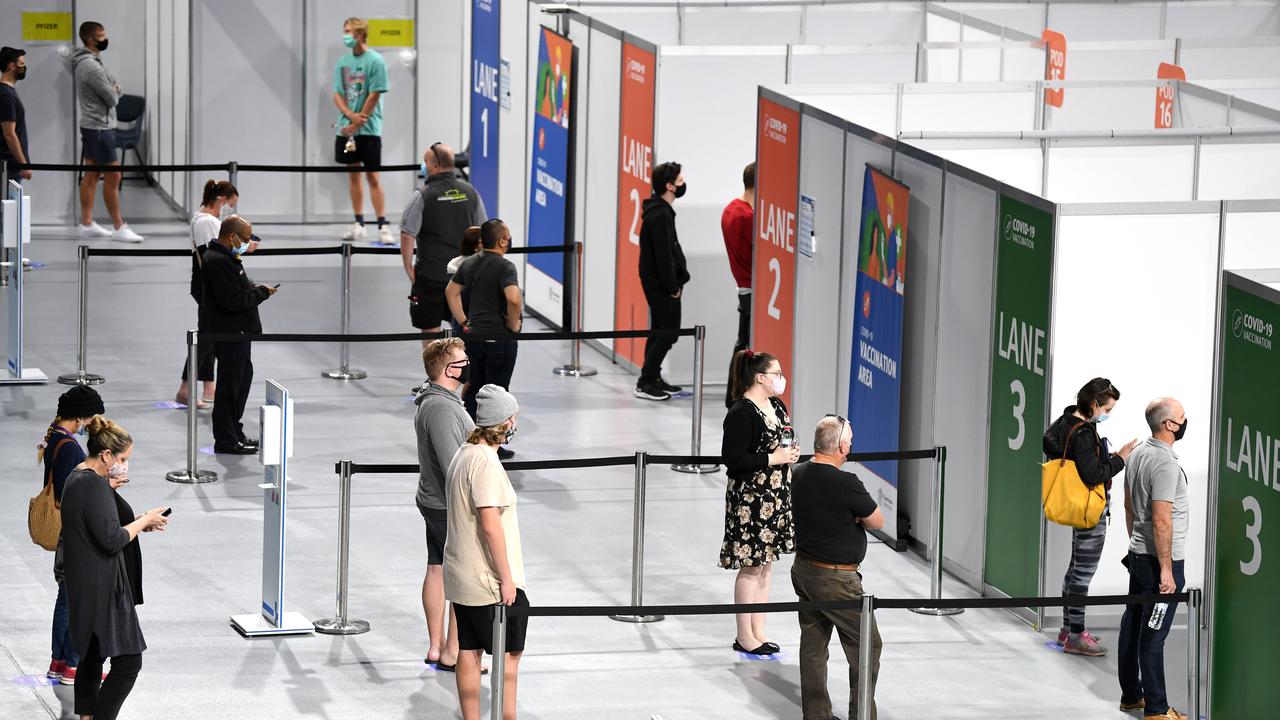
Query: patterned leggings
{"x": 1086, "y": 551}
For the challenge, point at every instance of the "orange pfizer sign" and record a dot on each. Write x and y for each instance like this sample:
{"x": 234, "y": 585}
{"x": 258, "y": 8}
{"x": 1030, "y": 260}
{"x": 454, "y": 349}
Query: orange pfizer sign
{"x": 777, "y": 198}
{"x": 1055, "y": 65}
{"x": 1166, "y": 94}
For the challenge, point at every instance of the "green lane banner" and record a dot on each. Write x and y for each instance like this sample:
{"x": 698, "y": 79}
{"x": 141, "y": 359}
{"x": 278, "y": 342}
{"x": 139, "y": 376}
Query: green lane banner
{"x": 1245, "y": 636}
{"x": 1019, "y": 396}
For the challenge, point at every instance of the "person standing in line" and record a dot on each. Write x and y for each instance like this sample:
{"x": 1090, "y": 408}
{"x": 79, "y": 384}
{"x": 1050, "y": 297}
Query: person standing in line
{"x": 483, "y": 560}
{"x": 61, "y": 454}
{"x": 229, "y": 304}
{"x": 432, "y": 225}
{"x": 496, "y": 306}
{"x": 217, "y": 202}
{"x": 1156, "y": 514}
{"x": 736, "y": 224}
{"x": 98, "y": 94}
{"x": 1075, "y": 436}
{"x": 442, "y": 426}
{"x": 102, "y": 588}
{"x": 359, "y": 82}
{"x": 13, "y": 116}
{"x": 757, "y": 524}
{"x": 470, "y": 246}
{"x": 663, "y": 275}
{"x": 833, "y": 512}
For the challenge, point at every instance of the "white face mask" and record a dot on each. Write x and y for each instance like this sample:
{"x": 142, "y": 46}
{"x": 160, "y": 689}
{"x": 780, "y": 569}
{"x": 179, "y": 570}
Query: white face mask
{"x": 120, "y": 469}
{"x": 779, "y": 384}
{"x": 225, "y": 211}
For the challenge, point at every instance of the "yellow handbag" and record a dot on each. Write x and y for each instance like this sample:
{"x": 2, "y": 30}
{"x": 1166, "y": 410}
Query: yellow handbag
{"x": 44, "y": 516}
{"x": 1065, "y": 497}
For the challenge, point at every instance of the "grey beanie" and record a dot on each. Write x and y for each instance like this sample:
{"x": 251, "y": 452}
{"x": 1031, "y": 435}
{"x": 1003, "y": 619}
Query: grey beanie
{"x": 494, "y": 406}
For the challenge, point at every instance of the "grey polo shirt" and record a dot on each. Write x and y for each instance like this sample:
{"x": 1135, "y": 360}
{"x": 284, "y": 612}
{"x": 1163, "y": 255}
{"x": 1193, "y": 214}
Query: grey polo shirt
{"x": 1154, "y": 474}
{"x": 437, "y": 216}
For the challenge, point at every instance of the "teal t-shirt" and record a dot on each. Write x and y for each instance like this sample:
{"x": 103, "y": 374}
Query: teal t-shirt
{"x": 355, "y": 76}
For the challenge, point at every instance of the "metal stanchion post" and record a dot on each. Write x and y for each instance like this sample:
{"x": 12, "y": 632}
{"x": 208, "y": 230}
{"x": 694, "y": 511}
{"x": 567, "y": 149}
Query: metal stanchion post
{"x": 866, "y": 631}
{"x": 191, "y": 475}
{"x": 81, "y": 376}
{"x": 1194, "y": 606}
{"x": 575, "y": 368}
{"x": 344, "y": 371}
{"x": 637, "y": 545}
{"x": 497, "y": 681}
{"x": 340, "y": 624}
{"x": 233, "y": 172}
{"x": 699, "y": 362}
{"x": 935, "y": 535}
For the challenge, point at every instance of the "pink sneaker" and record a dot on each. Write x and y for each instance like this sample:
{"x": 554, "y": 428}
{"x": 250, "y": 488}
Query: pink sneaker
{"x": 1062, "y": 638}
{"x": 1086, "y": 643}
{"x": 56, "y": 668}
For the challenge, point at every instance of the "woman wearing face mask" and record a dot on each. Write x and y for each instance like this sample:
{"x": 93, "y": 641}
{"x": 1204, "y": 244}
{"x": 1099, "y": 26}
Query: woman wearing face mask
{"x": 61, "y": 454}
{"x": 1075, "y": 434}
{"x": 757, "y": 524}
{"x": 220, "y": 198}
{"x": 102, "y": 588}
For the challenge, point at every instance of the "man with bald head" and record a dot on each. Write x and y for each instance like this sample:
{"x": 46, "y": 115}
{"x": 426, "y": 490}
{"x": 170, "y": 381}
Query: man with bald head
{"x": 229, "y": 304}
{"x": 1156, "y": 512}
{"x": 440, "y": 211}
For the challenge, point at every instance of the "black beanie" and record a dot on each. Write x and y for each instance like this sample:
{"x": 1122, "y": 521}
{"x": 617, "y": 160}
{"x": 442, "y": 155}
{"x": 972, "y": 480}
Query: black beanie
{"x": 81, "y": 401}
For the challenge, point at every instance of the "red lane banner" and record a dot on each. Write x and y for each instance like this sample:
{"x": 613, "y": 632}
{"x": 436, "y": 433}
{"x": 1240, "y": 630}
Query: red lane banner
{"x": 1055, "y": 65}
{"x": 777, "y": 196}
{"x": 1166, "y": 95}
{"x": 635, "y": 164}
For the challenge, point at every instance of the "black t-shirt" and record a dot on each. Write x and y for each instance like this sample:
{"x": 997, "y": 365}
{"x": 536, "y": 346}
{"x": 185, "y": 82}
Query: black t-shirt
{"x": 487, "y": 275}
{"x": 825, "y": 502}
{"x": 11, "y": 110}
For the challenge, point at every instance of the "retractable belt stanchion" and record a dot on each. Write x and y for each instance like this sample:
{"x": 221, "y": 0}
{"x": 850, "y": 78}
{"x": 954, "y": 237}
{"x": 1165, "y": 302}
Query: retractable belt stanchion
{"x": 497, "y": 680}
{"x": 1195, "y": 601}
{"x": 344, "y": 371}
{"x": 637, "y": 545}
{"x": 340, "y": 624}
{"x": 866, "y": 630}
{"x": 575, "y": 367}
{"x": 699, "y": 361}
{"x": 191, "y": 475}
{"x": 82, "y": 376}
{"x": 935, "y": 535}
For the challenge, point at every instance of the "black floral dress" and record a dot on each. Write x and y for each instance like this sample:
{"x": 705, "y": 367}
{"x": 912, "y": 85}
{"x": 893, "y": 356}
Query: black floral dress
{"x": 757, "y": 523}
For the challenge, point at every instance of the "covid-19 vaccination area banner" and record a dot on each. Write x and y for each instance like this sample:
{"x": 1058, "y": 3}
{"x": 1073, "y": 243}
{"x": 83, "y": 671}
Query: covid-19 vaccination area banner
{"x": 552, "y": 150}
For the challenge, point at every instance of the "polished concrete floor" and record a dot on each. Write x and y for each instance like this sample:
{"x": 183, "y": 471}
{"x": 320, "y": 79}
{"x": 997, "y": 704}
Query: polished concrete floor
{"x": 576, "y": 525}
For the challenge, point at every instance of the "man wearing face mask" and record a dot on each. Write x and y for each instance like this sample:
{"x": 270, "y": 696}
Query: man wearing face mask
{"x": 98, "y": 94}
{"x": 663, "y": 275}
{"x": 442, "y": 426}
{"x": 13, "y": 116}
{"x": 359, "y": 82}
{"x": 1156, "y": 516}
{"x": 229, "y": 303}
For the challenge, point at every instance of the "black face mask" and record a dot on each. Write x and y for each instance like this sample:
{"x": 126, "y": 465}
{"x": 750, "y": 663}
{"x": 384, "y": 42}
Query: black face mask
{"x": 20, "y": 73}
{"x": 102, "y": 44}
{"x": 1181, "y": 431}
{"x": 464, "y": 374}
{"x": 680, "y": 190}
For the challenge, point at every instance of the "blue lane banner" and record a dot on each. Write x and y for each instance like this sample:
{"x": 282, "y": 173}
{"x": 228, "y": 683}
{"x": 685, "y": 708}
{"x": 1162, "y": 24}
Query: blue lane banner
{"x": 486, "y": 36}
{"x": 874, "y": 383}
{"x": 549, "y": 184}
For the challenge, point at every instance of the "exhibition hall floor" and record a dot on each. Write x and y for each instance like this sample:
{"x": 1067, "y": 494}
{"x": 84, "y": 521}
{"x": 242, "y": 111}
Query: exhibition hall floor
{"x": 576, "y": 528}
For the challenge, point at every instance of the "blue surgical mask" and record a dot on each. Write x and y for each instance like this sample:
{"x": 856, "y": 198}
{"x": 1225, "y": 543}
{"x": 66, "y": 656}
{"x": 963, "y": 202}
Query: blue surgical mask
{"x": 240, "y": 249}
{"x": 424, "y": 168}
{"x": 1101, "y": 417}
{"x": 349, "y": 40}
{"x": 83, "y": 431}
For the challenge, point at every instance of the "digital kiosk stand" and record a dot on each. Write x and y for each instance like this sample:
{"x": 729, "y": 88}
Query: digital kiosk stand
{"x": 276, "y": 421}
{"x": 15, "y": 216}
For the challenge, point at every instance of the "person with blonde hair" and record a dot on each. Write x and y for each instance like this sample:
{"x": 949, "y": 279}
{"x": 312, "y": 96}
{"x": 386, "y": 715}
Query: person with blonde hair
{"x": 102, "y": 589}
{"x": 359, "y": 82}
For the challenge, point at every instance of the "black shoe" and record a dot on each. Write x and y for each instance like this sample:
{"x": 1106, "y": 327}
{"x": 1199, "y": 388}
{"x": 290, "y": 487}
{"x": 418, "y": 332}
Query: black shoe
{"x": 651, "y": 391}
{"x": 505, "y": 454}
{"x": 239, "y": 448}
{"x": 672, "y": 389}
{"x": 763, "y": 651}
{"x": 250, "y": 442}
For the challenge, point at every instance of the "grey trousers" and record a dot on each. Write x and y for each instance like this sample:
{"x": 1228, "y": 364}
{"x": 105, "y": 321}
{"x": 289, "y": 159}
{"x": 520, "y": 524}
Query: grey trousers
{"x": 815, "y": 583}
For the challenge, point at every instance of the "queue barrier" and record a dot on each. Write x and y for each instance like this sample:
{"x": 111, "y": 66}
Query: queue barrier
{"x": 342, "y": 624}
{"x": 191, "y": 473}
{"x": 1193, "y": 598}
{"x": 82, "y": 376}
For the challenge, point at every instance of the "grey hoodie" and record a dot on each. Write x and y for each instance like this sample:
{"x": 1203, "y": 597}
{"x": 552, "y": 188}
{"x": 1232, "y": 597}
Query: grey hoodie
{"x": 442, "y": 425}
{"x": 95, "y": 88}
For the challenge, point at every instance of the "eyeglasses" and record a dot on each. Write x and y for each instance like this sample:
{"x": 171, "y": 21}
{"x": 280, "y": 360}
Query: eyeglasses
{"x": 436, "y": 153}
{"x": 843, "y": 423}
{"x": 460, "y": 363}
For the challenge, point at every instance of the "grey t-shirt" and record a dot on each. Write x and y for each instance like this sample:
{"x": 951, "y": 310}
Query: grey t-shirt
{"x": 488, "y": 275}
{"x": 1153, "y": 474}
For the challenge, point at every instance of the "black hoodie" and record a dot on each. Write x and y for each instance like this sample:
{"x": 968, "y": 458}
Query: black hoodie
{"x": 662, "y": 265}
{"x": 1093, "y": 460}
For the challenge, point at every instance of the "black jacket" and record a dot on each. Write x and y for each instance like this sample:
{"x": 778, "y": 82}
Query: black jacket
{"x": 662, "y": 265}
{"x": 741, "y": 448}
{"x": 1093, "y": 460}
{"x": 228, "y": 300}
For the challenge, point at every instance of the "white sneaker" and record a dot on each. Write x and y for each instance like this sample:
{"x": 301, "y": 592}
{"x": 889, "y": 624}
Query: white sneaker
{"x": 355, "y": 232}
{"x": 125, "y": 234}
{"x": 93, "y": 230}
{"x": 384, "y": 235}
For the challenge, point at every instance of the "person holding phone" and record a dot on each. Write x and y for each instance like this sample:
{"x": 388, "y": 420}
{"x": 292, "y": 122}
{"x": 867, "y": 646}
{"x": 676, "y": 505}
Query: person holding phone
{"x": 103, "y": 571}
{"x": 757, "y": 524}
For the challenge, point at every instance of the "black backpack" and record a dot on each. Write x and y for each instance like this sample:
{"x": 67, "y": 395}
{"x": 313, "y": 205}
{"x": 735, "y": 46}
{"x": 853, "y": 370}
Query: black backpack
{"x": 197, "y": 265}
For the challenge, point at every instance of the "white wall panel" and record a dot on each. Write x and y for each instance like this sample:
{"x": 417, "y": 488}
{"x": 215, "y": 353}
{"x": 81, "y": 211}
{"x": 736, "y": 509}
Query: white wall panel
{"x": 1024, "y": 63}
{"x": 599, "y": 193}
{"x": 1250, "y": 240}
{"x": 872, "y": 23}
{"x": 1230, "y": 63}
{"x": 166, "y": 97}
{"x": 1218, "y": 20}
{"x": 1104, "y": 108}
{"x": 1027, "y": 18}
{"x": 657, "y": 25}
{"x": 1019, "y": 167}
{"x": 1239, "y": 172}
{"x": 956, "y": 111}
{"x": 1095, "y": 21}
{"x": 876, "y": 111}
{"x": 444, "y": 57}
{"x": 1120, "y": 174}
{"x": 887, "y": 67}
{"x": 741, "y": 26}
{"x": 1114, "y": 63}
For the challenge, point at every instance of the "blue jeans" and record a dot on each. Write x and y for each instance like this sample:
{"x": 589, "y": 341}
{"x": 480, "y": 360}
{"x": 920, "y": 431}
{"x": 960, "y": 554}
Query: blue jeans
{"x": 63, "y": 648}
{"x": 1142, "y": 648}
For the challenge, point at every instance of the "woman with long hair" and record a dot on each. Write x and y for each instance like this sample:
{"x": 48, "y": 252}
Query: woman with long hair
{"x": 757, "y": 523}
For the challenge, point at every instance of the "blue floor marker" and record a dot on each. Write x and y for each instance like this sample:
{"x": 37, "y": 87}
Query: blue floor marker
{"x": 776, "y": 657}
{"x": 33, "y": 681}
